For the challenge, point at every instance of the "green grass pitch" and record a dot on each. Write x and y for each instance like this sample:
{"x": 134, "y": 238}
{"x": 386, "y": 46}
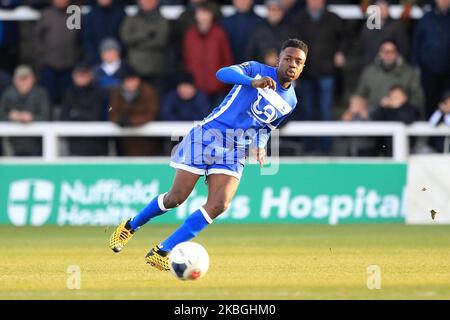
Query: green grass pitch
{"x": 247, "y": 262}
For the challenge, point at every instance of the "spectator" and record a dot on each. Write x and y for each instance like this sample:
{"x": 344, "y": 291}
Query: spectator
{"x": 270, "y": 35}
{"x": 84, "y": 102}
{"x": 240, "y": 26}
{"x": 324, "y": 33}
{"x": 357, "y": 111}
{"x": 431, "y": 52}
{"x": 57, "y": 49}
{"x": 181, "y": 25}
{"x": 185, "y": 103}
{"x": 107, "y": 73}
{"x": 146, "y": 36}
{"x": 292, "y": 8}
{"x": 25, "y": 102}
{"x": 206, "y": 50}
{"x": 371, "y": 39}
{"x": 441, "y": 115}
{"x": 103, "y": 21}
{"x": 271, "y": 57}
{"x": 388, "y": 70}
{"x": 394, "y": 107}
{"x": 133, "y": 104}
{"x": 5, "y": 80}
{"x": 9, "y": 38}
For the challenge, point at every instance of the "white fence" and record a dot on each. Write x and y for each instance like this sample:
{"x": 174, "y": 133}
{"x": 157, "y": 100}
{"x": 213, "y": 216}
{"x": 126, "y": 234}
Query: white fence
{"x": 23, "y": 13}
{"x": 51, "y": 132}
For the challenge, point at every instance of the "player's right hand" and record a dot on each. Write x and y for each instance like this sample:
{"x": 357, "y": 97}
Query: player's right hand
{"x": 264, "y": 83}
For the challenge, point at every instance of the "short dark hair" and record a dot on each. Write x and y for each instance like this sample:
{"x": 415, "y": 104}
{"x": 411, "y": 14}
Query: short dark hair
{"x": 295, "y": 43}
{"x": 389, "y": 40}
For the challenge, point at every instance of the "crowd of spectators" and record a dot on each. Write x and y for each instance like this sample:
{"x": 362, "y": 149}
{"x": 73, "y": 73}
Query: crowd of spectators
{"x": 134, "y": 69}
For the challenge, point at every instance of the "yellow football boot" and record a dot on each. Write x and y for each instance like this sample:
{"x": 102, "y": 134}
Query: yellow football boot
{"x": 121, "y": 236}
{"x": 158, "y": 259}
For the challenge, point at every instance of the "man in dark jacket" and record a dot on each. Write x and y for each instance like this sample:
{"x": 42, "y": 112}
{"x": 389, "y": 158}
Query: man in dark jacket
{"x": 371, "y": 39}
{"x": 270, "y": 35}
{"x": 240, "y": 26}
{"x": 25, "y": 102}
{"x": 103, "y": 21}
{"x": 146, "y": 36}
{"x": 185, "y": 103}
{"x": 107, "y": 73}
{"x": 431, "y": 52}
{"x": 84, "y": 102}
{"x": 57, "y": 49}
{"x": 325, "y": 34}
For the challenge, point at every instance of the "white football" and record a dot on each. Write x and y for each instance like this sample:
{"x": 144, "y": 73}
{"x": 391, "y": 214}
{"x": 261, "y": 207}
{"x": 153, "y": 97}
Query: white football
{"x": 188, "y": 261}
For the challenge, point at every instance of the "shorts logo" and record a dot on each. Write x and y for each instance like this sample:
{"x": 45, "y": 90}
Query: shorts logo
{"x": 30, "y": 202}
{"x": 265, "y": 114}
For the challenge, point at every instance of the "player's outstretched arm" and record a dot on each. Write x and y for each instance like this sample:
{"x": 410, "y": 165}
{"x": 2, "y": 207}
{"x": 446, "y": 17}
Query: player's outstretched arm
{"x": 234, "y": 75}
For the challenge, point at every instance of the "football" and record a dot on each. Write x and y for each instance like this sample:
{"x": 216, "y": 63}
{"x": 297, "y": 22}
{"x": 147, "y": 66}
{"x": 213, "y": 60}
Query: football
{"x": 189, "y": 261}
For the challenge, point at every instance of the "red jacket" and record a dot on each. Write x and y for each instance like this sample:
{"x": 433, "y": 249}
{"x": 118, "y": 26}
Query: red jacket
{"x": 204, "y": 55}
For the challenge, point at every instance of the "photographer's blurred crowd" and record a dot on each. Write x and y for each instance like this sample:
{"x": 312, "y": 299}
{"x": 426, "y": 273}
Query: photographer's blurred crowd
{"x": 135, "y": 69}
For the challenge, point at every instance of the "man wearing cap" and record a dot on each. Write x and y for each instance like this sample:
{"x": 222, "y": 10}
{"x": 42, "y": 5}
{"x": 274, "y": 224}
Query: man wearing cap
{"x": 25, "y": 102}
{"x": 133, "y": 104}
{"x": 106, "y": 74}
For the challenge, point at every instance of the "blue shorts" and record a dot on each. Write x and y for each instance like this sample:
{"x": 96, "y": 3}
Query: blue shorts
{"x": 204, "y": 154}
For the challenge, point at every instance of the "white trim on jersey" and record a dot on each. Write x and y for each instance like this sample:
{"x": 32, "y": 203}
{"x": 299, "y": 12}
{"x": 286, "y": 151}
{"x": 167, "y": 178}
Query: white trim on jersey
{"x": 225, "y": 107}
{"x": 185, "y": 167}
{"x": 235, "y": 67}
{"x": 223, "y": 171}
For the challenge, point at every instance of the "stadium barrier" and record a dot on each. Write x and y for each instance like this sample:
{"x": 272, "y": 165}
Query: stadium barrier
{"x": 51, "y": 132}
{"x": 172, "y": 12}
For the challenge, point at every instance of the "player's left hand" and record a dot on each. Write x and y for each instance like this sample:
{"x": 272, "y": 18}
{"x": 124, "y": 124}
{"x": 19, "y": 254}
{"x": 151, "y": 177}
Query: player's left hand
{"x": 264, "y": 82}
{"x": 260, "y": 156}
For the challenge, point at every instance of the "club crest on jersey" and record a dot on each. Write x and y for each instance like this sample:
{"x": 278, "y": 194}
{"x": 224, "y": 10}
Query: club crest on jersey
{"x": 263, "y": 111}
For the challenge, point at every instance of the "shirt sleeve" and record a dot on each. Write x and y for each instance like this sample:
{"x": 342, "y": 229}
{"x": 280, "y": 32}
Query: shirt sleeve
{"x": 240, "y": 74}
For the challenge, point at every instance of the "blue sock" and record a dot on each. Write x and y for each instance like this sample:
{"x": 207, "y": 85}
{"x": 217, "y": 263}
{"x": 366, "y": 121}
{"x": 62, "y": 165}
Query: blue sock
{"x": 153, "y": 209}
{"x": 192, "y": 226}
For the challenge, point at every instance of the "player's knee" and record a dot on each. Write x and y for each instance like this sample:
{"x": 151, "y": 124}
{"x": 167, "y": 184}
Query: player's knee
{"x": 216, "y": 208}
{"x": 174, "y": 199}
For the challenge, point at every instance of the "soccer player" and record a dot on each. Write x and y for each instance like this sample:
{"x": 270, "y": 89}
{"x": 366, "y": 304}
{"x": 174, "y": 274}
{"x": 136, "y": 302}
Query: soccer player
{"x": 262, "y": 97}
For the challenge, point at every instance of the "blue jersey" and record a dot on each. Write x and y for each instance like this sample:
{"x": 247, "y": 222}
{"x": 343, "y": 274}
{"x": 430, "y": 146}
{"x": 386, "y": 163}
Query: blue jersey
{"x": 246, "y": 116}
{"x": 250, "y": 109}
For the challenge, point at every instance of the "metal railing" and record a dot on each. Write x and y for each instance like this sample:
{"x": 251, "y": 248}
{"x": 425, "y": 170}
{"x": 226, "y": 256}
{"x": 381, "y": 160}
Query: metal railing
{"x": 52, "y": 132}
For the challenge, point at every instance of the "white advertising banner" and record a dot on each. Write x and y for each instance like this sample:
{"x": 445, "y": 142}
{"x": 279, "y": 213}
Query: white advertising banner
{"x": 427, "y": 194}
